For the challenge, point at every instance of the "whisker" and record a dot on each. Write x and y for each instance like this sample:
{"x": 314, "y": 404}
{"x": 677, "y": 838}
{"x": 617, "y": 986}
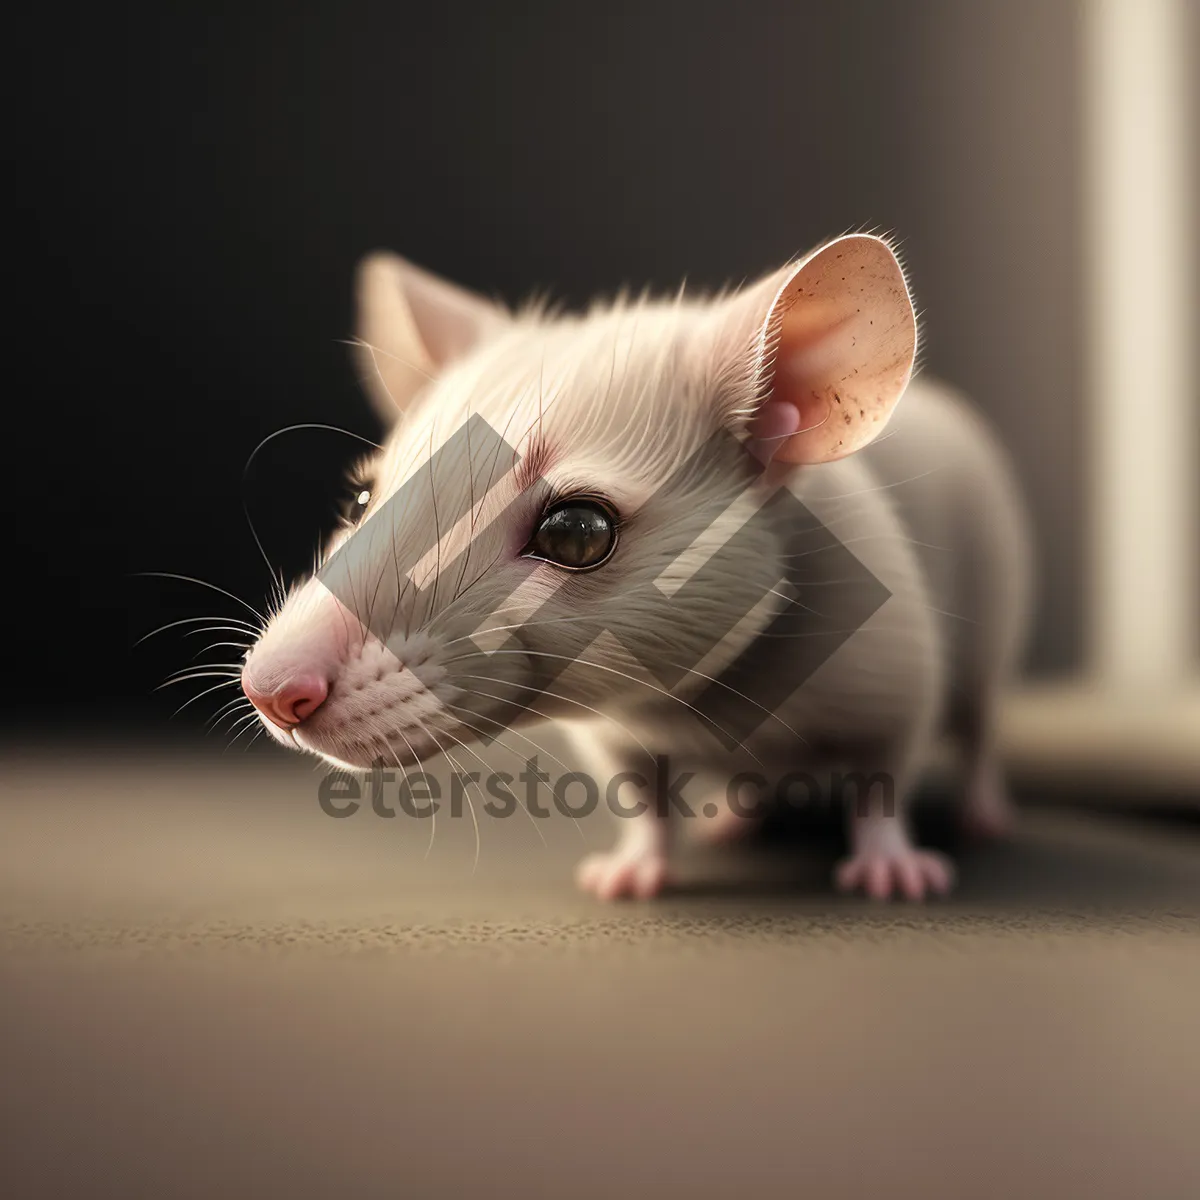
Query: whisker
{"x": 457, "y": 709}
{"x": 463, "y": 746}
{"x": 517, "y": 625}
{"x": 231, "y": 667}
{"x": 450, "y": 759}
{"x": 653, "y": 687}
{"x": 361, "y": 343}
{"x": 487, "y": 766}
{"x": 232, "y": 676}
{"x": 225, "y": 710}
{"x": 883, "y": 487}
{"x": 201, "y": 583}
{"x": 242, "y": 720}
{"x": 201, "y": 695}
{"x": 246, "y": 724}
{"x": 220, "y": 629}
{"x": 276, "y": 575}
{"x": 432, "y": 811}
{"x": 633, "y": 737}
{"x": 247, "y": 627}
{"x": 217, "y": 646}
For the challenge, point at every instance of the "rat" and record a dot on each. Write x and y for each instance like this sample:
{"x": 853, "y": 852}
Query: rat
{"x": 728, "y": 528}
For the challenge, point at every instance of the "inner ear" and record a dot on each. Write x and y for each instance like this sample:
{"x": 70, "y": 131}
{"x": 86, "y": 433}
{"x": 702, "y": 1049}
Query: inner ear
{"x": 411, "y": 324}
{"x": 834, "y": 353}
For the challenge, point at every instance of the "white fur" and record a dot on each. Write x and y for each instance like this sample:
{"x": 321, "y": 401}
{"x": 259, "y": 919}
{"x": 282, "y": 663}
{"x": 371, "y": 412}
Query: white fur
{"x": 617, "y": 398}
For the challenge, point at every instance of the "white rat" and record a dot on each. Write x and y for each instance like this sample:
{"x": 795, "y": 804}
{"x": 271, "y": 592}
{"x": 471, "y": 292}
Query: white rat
{"x": 693, "y": 528}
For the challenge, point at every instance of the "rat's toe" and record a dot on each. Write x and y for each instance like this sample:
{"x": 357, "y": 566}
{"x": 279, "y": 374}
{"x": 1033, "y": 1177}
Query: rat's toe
{"x": 908, "y": 872}
{"x": 618, "y": 874}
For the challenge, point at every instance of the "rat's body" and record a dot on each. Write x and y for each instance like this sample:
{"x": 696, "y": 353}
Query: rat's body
{"x": 930, "y": 510}
{"x": 609, "y": 545}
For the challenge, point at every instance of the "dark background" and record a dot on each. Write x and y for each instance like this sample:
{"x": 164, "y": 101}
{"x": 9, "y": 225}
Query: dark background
{"x": 196, "y": 184}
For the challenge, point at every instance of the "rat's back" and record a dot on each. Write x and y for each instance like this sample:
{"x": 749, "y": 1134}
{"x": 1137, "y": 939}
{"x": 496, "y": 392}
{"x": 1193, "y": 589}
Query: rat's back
{"x": 950, "y": 483}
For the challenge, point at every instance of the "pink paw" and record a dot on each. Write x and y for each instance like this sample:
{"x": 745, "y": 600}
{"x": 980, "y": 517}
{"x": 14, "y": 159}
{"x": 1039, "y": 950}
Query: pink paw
{"x": 882, "y": 872}
{"x": 987, "y": 811}
{"x": 624, "y": 872}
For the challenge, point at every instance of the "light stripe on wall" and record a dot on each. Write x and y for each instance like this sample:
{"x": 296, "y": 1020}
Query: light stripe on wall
{"x": 1141, "y": 315}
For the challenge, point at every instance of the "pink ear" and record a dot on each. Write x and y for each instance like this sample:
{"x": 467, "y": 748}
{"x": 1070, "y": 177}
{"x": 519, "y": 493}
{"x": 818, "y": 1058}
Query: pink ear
{"x": 411, "y": 324}
{"x": 835, "y": 352}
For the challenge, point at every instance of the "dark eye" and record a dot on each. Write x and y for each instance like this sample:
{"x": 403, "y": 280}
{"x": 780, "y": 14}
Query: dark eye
{"x": 360, "y": 498}
{"x": 576, "y": 534}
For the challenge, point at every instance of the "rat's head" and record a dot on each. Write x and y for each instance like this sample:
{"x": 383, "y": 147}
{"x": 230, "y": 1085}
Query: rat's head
{"x": 557, "y": 521}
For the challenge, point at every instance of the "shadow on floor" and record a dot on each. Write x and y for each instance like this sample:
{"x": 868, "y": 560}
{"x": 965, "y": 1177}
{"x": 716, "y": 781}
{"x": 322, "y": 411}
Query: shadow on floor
{"x": 1053, "y": 860}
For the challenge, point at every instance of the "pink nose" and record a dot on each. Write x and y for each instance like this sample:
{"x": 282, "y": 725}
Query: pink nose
{"x": 291, "y": 702}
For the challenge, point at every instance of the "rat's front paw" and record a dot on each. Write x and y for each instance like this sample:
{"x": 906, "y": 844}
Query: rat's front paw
{"x": 627, "y": 871}
{"x": 882, "y": 871}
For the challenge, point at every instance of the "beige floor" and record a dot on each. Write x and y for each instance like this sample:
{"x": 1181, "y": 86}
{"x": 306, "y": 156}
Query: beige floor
{"x": 210, "y": 988}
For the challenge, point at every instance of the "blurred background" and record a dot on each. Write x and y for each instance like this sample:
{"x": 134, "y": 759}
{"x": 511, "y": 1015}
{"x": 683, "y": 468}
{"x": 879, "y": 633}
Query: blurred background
{"x": 210, "y": 987}
{"x": 196, "y": 187}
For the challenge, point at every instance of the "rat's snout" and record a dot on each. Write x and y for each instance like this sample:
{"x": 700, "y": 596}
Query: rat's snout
{"x": 289, "y": 701}
{"x": 294, "y": 666}
{"x": 322, "y": 682}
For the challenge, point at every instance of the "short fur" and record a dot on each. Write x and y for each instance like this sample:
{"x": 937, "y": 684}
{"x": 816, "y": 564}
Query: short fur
{"x": 611, "y": 402}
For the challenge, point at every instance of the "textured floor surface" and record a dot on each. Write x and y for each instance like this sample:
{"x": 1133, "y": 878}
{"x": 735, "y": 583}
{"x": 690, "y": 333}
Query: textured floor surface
{"x": 210, "y": 987}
